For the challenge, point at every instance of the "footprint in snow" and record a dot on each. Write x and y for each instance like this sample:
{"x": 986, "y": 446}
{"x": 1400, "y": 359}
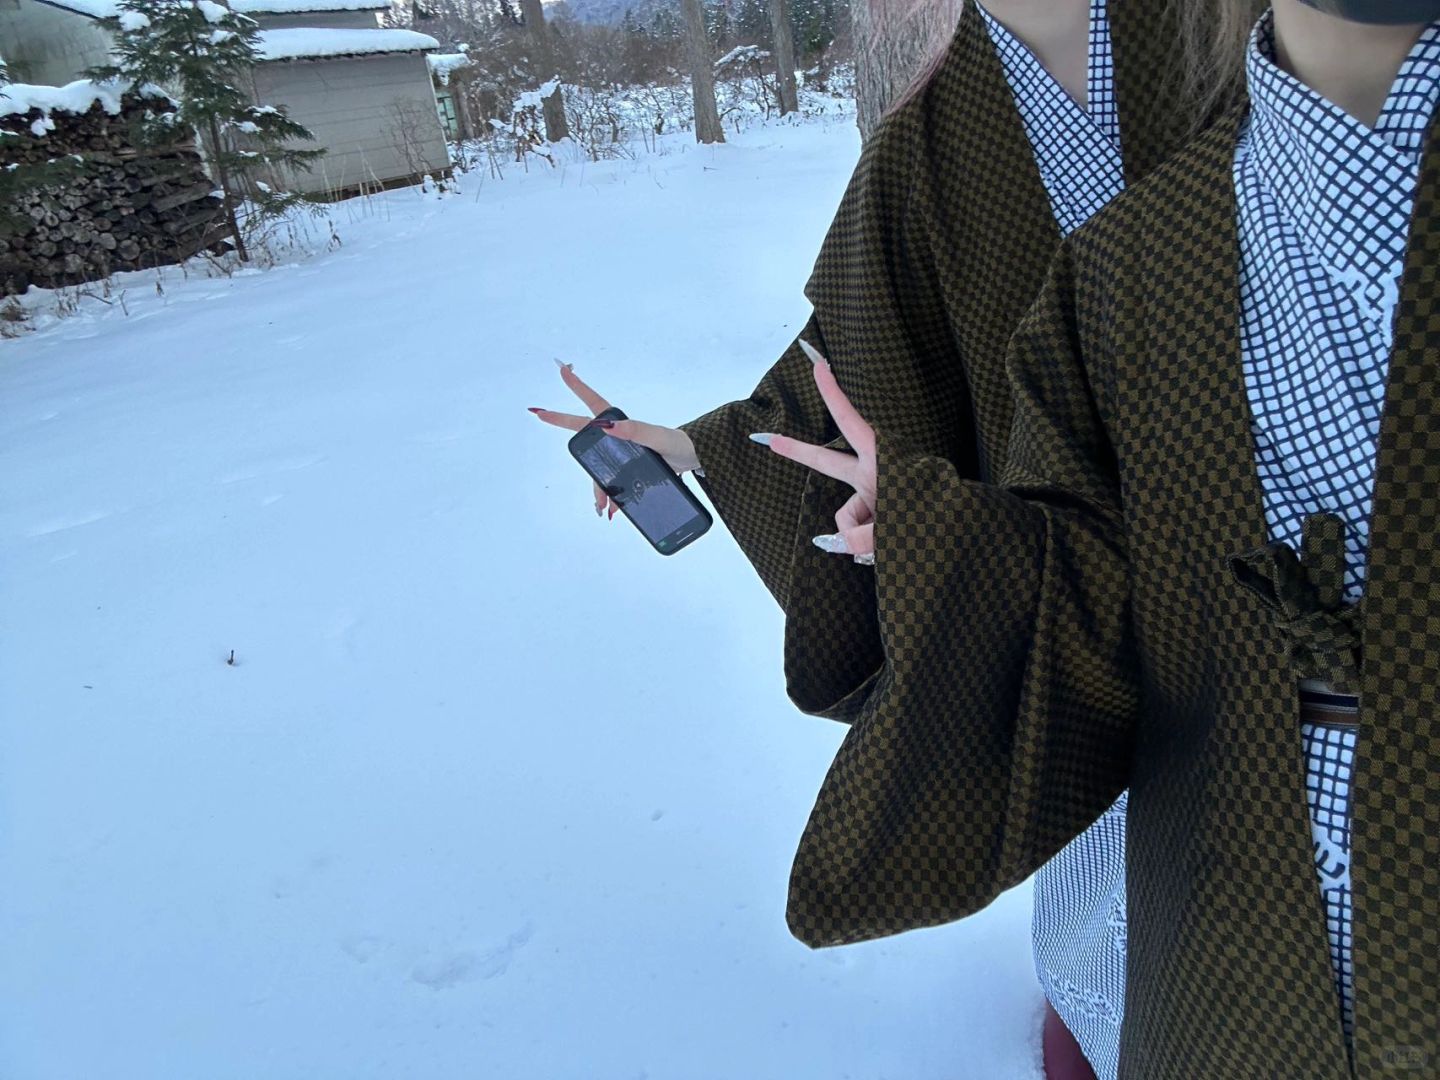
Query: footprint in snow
{"x": 360, "y": 947}
{"x": 450, "y": 971}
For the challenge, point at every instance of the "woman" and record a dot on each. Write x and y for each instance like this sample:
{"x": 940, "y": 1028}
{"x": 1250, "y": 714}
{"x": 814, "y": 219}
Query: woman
{"x": 1235, "y": 362}
{"x": 1035, "y": 116}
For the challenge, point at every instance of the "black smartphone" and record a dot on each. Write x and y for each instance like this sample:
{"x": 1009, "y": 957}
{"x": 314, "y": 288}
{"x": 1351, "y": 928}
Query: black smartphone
{"x": 646, "y": 489}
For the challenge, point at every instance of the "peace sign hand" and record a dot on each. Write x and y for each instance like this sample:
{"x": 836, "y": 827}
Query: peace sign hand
{"x": 855, "y": 521}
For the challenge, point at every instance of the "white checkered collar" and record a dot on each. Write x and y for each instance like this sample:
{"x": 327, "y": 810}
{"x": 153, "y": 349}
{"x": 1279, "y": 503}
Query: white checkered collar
{"x": 1333, "y": 175}
{"x": 1028, "y": 76}
{"x": 1076, "y": 149}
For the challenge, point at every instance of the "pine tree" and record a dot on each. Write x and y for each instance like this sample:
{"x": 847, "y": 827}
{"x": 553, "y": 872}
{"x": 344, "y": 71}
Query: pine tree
{"x": 202, "y": 53}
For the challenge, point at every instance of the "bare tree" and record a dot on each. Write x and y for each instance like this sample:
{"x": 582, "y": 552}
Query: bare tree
{"x": 707, "y": 116}
{"x": 408, "y": 124}
{"x": 784, "y": 55}
{"x": 553, "y": 104}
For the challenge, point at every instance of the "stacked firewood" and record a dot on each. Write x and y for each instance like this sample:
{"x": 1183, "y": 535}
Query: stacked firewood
{"x": 121, "y": 205}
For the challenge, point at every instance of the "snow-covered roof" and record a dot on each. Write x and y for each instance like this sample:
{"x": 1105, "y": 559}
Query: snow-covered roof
{"x": 302, "y": 7}
{"x": 308, "y": 44}
{"x": 104, "y": 9}
{"x": 95, "y": 9}
{"x": 443, "y": 65}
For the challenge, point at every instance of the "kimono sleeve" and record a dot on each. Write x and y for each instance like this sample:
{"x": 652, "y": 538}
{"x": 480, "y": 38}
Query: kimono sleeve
{"x": 755, "y": 492}
{"x": 1001, "y": 724}
{"x": 880, "y": 320}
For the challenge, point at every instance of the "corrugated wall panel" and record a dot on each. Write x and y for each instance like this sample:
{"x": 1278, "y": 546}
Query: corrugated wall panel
{"x": 43, "y": 44}
{"x": 364, "y": 111}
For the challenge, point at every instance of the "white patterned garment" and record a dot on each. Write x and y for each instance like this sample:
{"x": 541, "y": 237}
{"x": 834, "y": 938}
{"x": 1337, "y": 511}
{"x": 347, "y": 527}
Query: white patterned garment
{"x": 1079, "y": 928}
{"x": 1324, "y": 215}
{"x": 1077, "y": 150}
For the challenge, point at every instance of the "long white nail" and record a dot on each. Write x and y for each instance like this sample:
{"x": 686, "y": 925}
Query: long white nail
{"x": 563, "y": 366}
{"x": 813, "y": 353}
{"x": 834, "y": 543}
{"x": 762, "y": 437}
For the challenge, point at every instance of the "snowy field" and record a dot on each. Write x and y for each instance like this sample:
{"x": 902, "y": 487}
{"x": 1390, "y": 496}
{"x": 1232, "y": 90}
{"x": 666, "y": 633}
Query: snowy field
{"x": 491, "y": 789}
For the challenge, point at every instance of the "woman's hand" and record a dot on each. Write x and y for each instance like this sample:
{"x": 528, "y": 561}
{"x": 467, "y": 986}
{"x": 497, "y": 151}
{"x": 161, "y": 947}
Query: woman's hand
{"x": 855, "y": 521}
{"x": 670, "y": 443}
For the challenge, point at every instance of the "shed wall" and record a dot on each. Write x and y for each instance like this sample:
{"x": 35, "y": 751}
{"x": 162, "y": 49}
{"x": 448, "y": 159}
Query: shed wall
{"x": 46, "y": 45}
{"x": 325, "y": 20}
{"x": 376, "y": 115}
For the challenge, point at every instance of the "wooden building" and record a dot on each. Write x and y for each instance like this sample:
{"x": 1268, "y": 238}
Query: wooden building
{"x": 365, "y": 93}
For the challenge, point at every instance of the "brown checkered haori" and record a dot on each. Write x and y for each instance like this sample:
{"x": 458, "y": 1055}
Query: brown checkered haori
{"x": 939, "y": 246}
{"x": 1082, "y": 628}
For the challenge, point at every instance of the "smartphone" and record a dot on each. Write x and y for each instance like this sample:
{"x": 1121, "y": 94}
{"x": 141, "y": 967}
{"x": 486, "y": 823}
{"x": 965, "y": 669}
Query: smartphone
{"x": 647, "y": 490}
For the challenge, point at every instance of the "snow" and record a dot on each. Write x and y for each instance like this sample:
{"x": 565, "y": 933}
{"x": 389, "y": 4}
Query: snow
{"x": 76, "y": 97}
{"x": 95, "y": 9}
{"x": 131, "y": 21}
{"x": 491, "y": 790}
{"x": 307, "y": 43}
{"x": 443, "y": 65}
{"x": 750, "y": 54}
{"x": 214, "y": 13}
{"x": 101, "y": 9}
{"x": 298, "y": 7}
{"x": 532, "y": 99}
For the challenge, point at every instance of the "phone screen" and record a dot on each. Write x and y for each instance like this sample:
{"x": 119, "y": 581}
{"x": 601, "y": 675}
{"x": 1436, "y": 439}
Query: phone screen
{"x": 640, "y": 484}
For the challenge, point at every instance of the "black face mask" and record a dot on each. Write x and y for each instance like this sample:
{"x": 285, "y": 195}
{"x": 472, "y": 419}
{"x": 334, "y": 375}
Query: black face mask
{"x": 1391, "y": 12}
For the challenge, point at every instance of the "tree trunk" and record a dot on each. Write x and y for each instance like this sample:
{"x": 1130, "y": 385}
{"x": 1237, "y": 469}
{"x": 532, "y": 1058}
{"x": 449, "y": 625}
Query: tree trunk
{"x": 894, "y": 42}
{"x": 552, "y": 106}
{"x": 459, "y": 94}
{"x": 227, "y": 195}
{"x": 784, "y": 55}
{"x": 702, "y": 74}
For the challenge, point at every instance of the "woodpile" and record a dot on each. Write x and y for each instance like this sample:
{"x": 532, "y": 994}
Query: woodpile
{"x": 126, "y": 207}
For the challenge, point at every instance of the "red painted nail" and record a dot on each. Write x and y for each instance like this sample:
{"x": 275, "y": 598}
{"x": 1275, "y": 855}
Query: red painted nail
{"x": 606, "y": 424}
{"x": 535, "y": 410}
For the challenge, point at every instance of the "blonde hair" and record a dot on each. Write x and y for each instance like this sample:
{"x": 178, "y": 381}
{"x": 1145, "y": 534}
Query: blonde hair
{"x": 1213, "y": 37}
{"x": 1214, "y": 34}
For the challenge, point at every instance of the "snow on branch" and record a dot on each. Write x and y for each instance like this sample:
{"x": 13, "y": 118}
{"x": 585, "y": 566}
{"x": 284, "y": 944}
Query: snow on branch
{"x": 531, "y": 99}
{"x": 741, "y": 54}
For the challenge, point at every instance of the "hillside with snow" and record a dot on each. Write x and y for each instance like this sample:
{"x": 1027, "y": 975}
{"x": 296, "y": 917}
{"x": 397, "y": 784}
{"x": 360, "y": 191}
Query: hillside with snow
{"x": 489, "y": 790}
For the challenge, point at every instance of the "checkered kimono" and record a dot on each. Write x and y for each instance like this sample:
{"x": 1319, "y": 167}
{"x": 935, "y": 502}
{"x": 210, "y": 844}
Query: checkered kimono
{"x": 1325, "y": 205}
{"x": 939, "y": 246}
{"x": 1088, "y": 623}
{"x": 1079, "y": 925}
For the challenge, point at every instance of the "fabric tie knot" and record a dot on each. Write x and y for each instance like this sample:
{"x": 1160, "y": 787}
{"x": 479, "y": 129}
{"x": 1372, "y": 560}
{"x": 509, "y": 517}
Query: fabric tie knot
{"x": 1307, "y": 601}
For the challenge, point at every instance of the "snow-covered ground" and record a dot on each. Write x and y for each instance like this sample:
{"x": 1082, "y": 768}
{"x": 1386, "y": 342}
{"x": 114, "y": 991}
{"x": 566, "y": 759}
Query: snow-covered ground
{"x": 491, "y": 790}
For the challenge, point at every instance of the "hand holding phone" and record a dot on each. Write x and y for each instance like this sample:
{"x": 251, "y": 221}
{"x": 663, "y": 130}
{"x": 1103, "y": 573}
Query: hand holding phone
{"x": 673, "y": 453}
{"x": 640, "y": 482}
